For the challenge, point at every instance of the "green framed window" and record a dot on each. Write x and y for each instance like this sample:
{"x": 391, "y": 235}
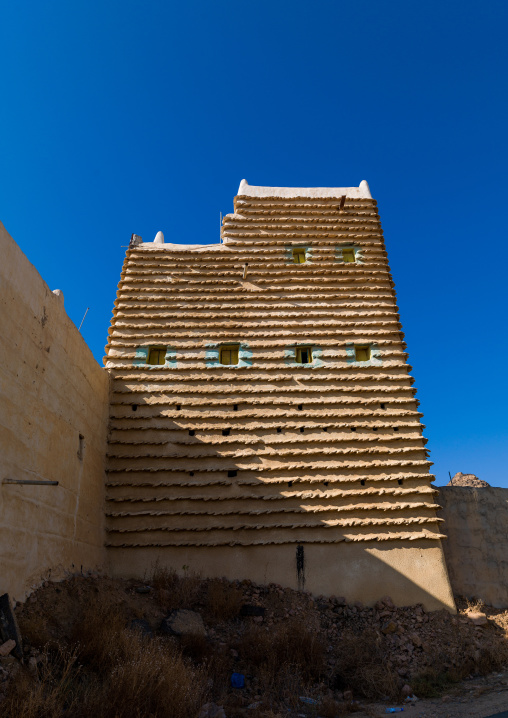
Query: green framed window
{"x": 228, "y": 354}
{"x": 157, "y": 355}
{"x": 348, "y": 254}
{"x": 362, "y": 352}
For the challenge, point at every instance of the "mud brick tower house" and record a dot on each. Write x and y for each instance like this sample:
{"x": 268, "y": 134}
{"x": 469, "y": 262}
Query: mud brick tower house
{"x": 263, "y": 422}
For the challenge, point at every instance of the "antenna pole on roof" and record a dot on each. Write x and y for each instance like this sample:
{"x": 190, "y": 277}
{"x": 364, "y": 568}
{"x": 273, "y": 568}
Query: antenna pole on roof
{"x": 83, "y": 319}
{"x": 220, "y": 227}
{"x": 451, "y": 480}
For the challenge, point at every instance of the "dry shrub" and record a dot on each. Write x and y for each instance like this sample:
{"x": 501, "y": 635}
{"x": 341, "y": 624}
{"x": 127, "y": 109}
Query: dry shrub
{"x": 99, "y": 635}
{"x": 54, "y": 692}
{"x": 493, "y": 656}
{"x": 152, "y": 681}
{"x": 284, "y": 657}
{"x": 196, "y": 647}
{"x": 223, "y": 600}
{"x": 34, "y": 628}
{"x": 109, "y": 672}
{"x": 176, "y": 591}
{"x": 431, "y": 683}
{"x": 361, "y": 667}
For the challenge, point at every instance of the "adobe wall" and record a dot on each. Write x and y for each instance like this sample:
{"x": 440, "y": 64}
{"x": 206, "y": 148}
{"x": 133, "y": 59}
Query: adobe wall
{"x": 232, "y": 469}
{"x": 409, "y": 574}
{"x": 476, "y": 550}
{"x": 51, "y": 391}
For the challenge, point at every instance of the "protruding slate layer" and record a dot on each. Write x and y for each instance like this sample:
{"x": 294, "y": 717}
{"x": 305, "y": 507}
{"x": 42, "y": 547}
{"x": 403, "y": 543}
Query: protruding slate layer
{"x": 327, "y": 453}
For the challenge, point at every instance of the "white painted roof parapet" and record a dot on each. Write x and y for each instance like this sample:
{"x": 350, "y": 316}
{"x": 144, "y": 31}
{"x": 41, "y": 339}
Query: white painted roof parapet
{"x": 172, "y": 247}
{"x": 360, "y": 192}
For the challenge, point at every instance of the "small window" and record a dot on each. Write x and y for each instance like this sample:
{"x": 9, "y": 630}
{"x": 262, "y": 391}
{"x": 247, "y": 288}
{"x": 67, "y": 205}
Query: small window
{"x": 362, "y": 353}
{"x": 299, "y": 256}
{"x": 157, "y": 355}
{"x": 232, "y": 473}
{"x": 348, "y": 254}
{"x": 304, "y": 355}
{"x": 228, "y": 355}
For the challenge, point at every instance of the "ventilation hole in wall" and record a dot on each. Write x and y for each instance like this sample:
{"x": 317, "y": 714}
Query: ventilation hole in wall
{"x": 325, "y": 483}
{"x": 226, "y": 432}
{"x": 232, "y": 473}
{"x": 353, "y": 428}
{"x": 300, "y": 407}
{"x": 362, "y": 482}
{"x": 192, "y": 432}
{"x": 302, "y": 430}
{"x": 279, "y": 430}
{"x": 178, "y": 407}
{"x": 399, "y": 481}
{"x": 134, "y": 407}
{"x": 191, "y": 473}
{"x": 374, "y": 428}
{"x": 395, "y": 428}
{"x": 290, "y": 483}
{"x": 383, "y": 406}
{"x": 235, "y": 407}
{"x": 325, "y": 428}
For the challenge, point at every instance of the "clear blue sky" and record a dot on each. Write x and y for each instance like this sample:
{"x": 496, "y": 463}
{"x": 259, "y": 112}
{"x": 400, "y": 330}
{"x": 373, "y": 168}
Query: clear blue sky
{"x": 130, "y": 117}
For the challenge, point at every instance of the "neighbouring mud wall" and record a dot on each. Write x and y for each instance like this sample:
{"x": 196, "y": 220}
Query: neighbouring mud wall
{"x": 52, "y": 391}
{"x": 476, "y": 550}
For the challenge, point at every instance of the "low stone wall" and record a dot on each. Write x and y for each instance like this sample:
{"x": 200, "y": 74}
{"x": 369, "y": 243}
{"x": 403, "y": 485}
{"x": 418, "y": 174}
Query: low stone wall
{"x": 476, "y": 550}
{"x": 53, "y": 426}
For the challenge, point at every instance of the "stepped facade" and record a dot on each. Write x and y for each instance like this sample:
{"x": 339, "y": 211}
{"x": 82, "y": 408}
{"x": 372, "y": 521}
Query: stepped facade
{"x": 263, "y": 422}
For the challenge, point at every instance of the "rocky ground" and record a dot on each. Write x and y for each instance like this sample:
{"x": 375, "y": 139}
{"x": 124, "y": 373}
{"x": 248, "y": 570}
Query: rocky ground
{"x": 468, "y": 480}
{"x": 85, "y": 638}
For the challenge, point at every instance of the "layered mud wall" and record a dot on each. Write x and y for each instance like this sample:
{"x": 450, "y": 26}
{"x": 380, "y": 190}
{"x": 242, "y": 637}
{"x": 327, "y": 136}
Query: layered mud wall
{"x": 53, "y": 427}
{"x": 310, "y": 475}
{"x": 477, "y": 547}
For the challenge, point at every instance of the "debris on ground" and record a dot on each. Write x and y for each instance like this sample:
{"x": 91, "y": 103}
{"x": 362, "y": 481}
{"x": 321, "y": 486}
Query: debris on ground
{"x": 183, "y": 649}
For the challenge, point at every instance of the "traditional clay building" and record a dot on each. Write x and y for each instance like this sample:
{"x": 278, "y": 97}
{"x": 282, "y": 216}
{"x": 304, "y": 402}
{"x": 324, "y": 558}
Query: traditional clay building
{"x": 263, "y": 422}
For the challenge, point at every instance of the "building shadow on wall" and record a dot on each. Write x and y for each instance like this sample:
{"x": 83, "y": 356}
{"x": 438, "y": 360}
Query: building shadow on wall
{"x": 188, "y": 488}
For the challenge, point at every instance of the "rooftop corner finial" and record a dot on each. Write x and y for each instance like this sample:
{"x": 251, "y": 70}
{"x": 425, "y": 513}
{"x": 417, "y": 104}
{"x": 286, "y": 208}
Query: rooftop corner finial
{"x": 159, "y": 238}
{"x": 243, "y": 185}
{"x": 365, "y": 189}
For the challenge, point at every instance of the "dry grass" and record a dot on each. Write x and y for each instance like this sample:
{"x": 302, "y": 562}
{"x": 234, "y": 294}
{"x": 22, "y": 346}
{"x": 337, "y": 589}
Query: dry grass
{"x": 284, "y": 659}
{"x": 47, "y": 697}
{"x": 175, "y": 591}
{"x": 362, "y": 668}
{"x": 223, "y": 600}
{"x": 93, "y": 665}
{"x": 109, "y": 672}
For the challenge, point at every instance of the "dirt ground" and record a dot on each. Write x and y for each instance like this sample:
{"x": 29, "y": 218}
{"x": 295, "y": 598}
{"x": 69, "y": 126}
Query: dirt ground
{"x": 347, "y": 659}
{"x": 473, "y": 698}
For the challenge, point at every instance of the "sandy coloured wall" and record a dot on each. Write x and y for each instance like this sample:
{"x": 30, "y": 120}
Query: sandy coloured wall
{"x": 231, "y": 470}
{"x": 477, "y": 547}
{"x": 51, "y": 391}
